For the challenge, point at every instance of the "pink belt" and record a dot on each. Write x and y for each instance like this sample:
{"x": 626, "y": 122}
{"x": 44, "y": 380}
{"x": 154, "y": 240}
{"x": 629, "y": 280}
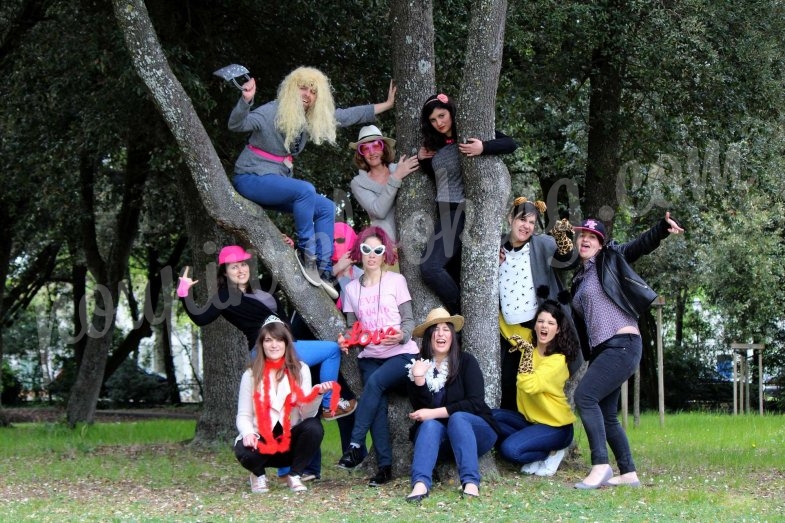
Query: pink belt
{"x": 288, "y": 160}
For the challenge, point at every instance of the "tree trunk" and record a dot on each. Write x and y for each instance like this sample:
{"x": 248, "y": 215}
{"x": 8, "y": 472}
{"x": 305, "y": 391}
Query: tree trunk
{"x": 225, "y": 348}
{"x": 83, "y": 398}
{"x": 171, "y": 376}
{"x": 5, "y": 260}
{"x": 414, "y": 67}
{"x": 414, "y": 71}
{"x": 108, "y": 274}
{"x": 604, "y": 137}
{"x": 487, "y": 185}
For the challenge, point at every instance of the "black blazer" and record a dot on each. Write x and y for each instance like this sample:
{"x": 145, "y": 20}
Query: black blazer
{"x": 466, "y": 393}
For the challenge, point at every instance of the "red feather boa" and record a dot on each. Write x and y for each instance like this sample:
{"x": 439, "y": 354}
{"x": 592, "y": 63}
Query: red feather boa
{"x": 269, "y": 444}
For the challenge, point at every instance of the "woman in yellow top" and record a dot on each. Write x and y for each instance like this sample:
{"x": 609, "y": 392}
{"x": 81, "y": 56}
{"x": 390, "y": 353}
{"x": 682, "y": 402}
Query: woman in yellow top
{"x": 538, "y": 433}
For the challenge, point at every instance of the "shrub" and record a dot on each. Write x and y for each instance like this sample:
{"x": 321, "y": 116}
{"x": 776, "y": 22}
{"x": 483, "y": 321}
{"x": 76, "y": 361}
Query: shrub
{"x": 132, "y": 384}
{"x": 11, "y": 387}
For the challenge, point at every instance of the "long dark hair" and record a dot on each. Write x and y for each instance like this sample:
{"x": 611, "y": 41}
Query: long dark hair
{"x": 432, "y": 139}
{"x": 566, "y": 341}
{"x": 453, "y": 356}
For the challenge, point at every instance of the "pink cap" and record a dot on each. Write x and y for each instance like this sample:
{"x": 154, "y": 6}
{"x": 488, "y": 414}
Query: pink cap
{"x": 345, "y": 238}
{"x": 233, "y": 254}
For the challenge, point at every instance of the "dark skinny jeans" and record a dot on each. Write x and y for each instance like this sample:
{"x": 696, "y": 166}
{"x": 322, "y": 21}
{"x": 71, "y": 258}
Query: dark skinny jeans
{"x": 597, "y": 398}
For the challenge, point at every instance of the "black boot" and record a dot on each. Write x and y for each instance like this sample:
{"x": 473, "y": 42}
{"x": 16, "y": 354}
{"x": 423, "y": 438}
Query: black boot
{"x": 383, "y": 475}
{"x": 351, "y": 458}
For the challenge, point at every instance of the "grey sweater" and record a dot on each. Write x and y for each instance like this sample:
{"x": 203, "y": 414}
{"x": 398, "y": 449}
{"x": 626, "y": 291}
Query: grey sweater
{"x": 261, "y": 124}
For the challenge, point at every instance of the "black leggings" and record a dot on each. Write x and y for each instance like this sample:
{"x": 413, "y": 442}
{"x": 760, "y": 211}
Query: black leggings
{"x": 306, "y": 438}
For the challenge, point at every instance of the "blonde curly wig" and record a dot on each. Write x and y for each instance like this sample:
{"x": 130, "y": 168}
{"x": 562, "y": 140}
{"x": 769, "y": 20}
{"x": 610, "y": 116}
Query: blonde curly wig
{"x": 292, "y": 119}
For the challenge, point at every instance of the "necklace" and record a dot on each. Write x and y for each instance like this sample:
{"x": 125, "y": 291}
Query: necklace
{"x": 434, "y": 380}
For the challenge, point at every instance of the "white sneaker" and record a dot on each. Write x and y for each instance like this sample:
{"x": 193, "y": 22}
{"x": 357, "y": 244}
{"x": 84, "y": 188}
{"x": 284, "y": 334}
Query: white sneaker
{"x": 295, "y": 484}
{"x": 259, "y": 484}
{"x": 551, "y": 463}
{"x": 532, "y": 468}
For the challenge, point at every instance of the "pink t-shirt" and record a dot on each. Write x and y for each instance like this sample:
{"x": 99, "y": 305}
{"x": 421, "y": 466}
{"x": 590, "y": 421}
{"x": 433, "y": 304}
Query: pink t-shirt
{"x": 376, "y": 307}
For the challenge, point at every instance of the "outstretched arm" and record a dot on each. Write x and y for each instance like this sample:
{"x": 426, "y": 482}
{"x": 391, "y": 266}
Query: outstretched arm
{"x": 389, "y": 103}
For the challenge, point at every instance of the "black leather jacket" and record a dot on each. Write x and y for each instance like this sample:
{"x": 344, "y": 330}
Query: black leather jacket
{"x": 619, "y": 281}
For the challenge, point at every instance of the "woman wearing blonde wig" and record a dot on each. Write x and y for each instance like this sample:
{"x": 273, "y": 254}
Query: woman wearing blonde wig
{"x": 303, "y": 110}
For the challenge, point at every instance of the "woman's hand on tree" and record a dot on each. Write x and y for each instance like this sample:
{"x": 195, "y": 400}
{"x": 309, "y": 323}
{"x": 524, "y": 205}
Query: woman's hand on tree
{"x": 406, "y": 166}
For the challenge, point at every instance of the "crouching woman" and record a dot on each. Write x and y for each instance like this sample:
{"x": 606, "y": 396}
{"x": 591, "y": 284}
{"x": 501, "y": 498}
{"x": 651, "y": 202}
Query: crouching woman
{"x": 276, "y": 408}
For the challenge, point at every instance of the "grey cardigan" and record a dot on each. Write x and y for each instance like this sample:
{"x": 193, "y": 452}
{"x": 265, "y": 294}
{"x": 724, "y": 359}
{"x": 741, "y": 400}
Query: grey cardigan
{"x": 378, "y": 200}
{"x": 261, "y": 124}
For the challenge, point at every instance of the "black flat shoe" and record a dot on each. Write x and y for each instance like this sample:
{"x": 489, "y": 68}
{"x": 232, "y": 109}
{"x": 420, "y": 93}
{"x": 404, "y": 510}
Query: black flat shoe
{"x": 351, "y": 458}
{"x": 416, "y": 498}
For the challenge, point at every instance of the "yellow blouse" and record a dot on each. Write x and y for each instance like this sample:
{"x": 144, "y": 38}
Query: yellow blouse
{"x": 541, "y": 397}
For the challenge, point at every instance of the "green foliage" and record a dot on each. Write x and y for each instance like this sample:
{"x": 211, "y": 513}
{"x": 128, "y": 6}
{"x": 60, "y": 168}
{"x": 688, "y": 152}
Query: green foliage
{"x": 10, "y": 386}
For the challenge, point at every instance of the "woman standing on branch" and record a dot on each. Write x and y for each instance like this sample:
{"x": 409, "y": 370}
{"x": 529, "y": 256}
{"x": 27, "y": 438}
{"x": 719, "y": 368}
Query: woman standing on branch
{"x": 607, "y": 299}
{"x": 440, "y": 157}
{"x": 378, "y": 180}
{"x": 275, "y": 410}
{"x": 304, "y": 110}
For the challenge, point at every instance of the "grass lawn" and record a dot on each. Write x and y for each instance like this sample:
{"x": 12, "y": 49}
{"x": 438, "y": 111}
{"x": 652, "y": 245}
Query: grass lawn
{"x": 699, "y": 467}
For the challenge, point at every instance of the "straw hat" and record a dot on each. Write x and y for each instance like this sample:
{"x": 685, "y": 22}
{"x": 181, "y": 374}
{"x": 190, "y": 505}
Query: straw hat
{"x": 438, "y": 315}
{"x": 370, "y": 133}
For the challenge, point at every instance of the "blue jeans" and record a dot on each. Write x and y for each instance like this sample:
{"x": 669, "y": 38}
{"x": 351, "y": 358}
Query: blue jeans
{"x": 526, "y": 442}
{"x": 597, "y": 398}
{"x": 324, "y": 353}
{"x": 467, "y": 435}
{"x": 314, "y": 214}
{"x": 315, "y": 352}
{"x": 378, "y": 375}
{"x": 444, "y": 245}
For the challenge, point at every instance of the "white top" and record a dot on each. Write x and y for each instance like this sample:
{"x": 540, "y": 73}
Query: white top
{"x": 246, "y": 412}
{"x": 516, "y": 287}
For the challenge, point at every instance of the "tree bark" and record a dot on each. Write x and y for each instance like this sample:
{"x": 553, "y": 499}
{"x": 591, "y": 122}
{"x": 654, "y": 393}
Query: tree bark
{"x": 225, "y": 349}
{"x": 487, "y": 186}
{"x": 108, "y": 274}
{"x": 414, "y": 67}
{"x": 604, "y": 137}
